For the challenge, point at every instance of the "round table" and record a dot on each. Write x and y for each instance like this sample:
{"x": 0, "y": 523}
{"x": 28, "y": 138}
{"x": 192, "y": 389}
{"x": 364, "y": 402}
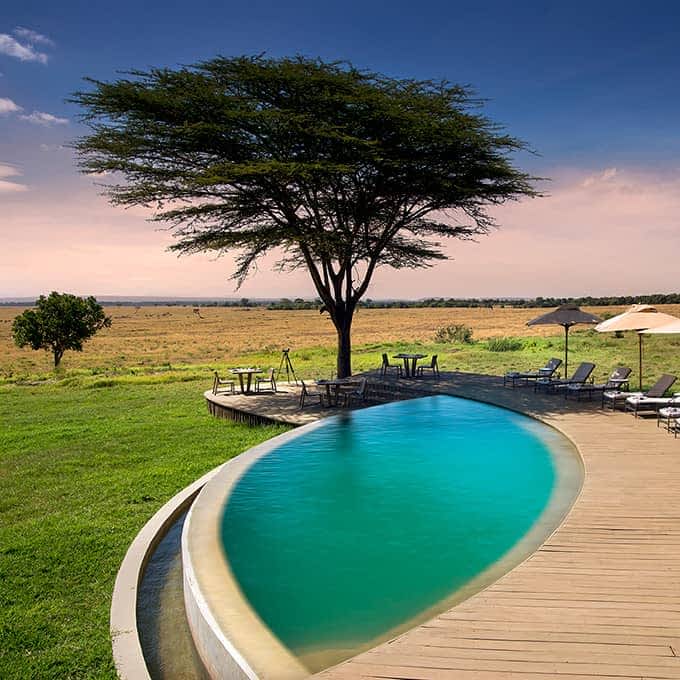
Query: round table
{"x": 410, "y": 370}
{"x": 248, "y": 373}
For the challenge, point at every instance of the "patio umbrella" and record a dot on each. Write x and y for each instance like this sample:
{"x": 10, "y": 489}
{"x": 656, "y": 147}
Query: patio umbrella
{"x": 667, "y": 329}
{"x": 565, "y": 316}
{"x": 638, "y": 318}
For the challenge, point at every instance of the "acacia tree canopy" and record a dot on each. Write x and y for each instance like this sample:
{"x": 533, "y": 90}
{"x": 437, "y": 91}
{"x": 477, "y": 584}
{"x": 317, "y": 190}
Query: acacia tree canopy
{"x": 58, "y": 323}
{"x": 339, "y": 169}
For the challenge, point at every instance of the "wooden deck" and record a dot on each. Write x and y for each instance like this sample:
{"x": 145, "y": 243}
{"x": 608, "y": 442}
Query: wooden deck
{"x": 266, "y": 407}
{"x": 600, "y": 599}
{"x": 283, "y": 406}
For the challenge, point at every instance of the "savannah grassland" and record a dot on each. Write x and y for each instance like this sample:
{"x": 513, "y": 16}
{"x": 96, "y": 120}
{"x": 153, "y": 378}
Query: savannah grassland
{"x": 159, "y": 344}
{"x": 87, "y": 455}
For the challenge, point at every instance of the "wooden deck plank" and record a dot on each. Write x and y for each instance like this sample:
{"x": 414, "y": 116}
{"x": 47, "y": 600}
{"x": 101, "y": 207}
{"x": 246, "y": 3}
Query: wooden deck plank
{"x": 393, "y": 672}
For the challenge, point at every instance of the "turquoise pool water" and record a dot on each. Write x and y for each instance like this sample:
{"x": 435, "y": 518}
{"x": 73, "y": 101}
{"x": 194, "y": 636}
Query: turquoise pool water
{"x": 354, "y": 528}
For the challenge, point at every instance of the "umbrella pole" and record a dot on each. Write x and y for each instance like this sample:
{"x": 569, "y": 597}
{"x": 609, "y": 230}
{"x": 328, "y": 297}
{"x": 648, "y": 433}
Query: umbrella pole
{"x": 640, "y": 360}
{"x": 566, "y": 350}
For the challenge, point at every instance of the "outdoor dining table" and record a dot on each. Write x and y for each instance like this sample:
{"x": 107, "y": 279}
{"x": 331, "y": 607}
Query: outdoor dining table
{"x": 334, "y": 388}
{"x": 248, "y": 373}
{"x": 410, "y": 369}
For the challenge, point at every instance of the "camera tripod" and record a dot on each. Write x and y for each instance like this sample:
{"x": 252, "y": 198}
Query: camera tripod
{"x": 287, "y": 365}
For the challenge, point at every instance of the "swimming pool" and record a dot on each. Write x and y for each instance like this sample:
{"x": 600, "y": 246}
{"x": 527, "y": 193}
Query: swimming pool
{"x": 377, "y": 519}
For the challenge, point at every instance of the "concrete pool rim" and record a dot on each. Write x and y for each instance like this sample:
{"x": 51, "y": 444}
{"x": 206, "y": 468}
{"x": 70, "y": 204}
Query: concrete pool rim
{"x": 128, "y": 656}
{"x": 212, "y": 617}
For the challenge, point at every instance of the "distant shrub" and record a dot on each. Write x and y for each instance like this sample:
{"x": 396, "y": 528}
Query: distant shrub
{"x": 456, "y": 333}
{"x": 504, "y": 344}
{"x": 103, "y": 383}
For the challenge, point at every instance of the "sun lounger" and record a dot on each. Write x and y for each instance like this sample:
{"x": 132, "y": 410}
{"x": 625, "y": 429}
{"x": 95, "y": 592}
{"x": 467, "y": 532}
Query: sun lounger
{"x": 581, "y": 375}
{"x": 639, "y": 402}
{"x": 515, "y": 377}
{"x": 615, "y": 397}
{"x": 618, "y": 379}
{"x": 654, "y": 398}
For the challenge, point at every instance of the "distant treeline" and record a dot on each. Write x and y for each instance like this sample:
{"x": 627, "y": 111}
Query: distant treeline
{"x": 657, "y": 299}
{"x": 300, "y": 303}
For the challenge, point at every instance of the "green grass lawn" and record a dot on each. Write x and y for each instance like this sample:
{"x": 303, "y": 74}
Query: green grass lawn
{"x": 86, "y": 459}
{"x": 605, "y": 350}
{"x": 81, "y": 471}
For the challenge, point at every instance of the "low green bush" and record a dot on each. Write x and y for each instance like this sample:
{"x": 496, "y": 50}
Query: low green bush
{"x": 503, "y": 344}
{"x": 455, "y": 333}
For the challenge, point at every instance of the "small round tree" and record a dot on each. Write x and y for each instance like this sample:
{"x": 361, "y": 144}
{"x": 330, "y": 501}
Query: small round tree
{"x": 59, "y": 322}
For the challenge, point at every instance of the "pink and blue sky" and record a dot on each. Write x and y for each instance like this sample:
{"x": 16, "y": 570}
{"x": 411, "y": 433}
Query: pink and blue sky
{"x": 592, "y": 87}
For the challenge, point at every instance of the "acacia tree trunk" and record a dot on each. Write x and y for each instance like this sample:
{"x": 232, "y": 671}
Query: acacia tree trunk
{"x": 340, "y": 308}
{"x": 341, "y": 315}
{"x": 344, "y": 359}
{"x": 58, "y": 354}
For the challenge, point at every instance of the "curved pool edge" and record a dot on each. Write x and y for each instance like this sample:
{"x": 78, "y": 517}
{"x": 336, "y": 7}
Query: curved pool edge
{"x": 128, "y": 656}
{"x": 231, "y": 639}
{"x": 230, "y": 635}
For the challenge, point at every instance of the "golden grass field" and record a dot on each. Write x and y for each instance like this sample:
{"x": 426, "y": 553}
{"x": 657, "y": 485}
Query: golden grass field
{"x": 157, "y": 336}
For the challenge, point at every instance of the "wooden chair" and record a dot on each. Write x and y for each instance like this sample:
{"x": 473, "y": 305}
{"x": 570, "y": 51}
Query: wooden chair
{"x": 306, "y": 394}
{"x": 434, "y": 367}
{"x": 356, "y": 395}
{"x": 386, "y": 365}
{"x": 270, "y": 380}
{"x": 218, "y": 383}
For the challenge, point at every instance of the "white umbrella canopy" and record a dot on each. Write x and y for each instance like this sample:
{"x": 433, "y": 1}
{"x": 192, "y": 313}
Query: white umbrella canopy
{"x": 641, "y": 318}
{"x": 666, "y": 329}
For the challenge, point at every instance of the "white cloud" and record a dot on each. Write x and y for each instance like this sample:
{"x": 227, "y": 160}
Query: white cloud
{"x": 44, "y": 119}
{"x": 8, "y": 106}
{"x": 601, "y": 177}
{"x": 7, "y": 170}
{"x": 10, "y": 187}
{"x": 23, "y": 52}
{"x": 32, "y": 37}
{"x": 52, "y": 147}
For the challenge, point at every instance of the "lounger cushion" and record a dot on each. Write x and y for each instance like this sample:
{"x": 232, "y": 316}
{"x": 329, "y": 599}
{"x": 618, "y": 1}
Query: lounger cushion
{"x": 641, "y": 399}
{"x": 618, "y": 394}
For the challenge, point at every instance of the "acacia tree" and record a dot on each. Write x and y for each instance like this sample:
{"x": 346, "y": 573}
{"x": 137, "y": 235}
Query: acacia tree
{"x": 59, "y": 322}
{"x": 340, "y": 170}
